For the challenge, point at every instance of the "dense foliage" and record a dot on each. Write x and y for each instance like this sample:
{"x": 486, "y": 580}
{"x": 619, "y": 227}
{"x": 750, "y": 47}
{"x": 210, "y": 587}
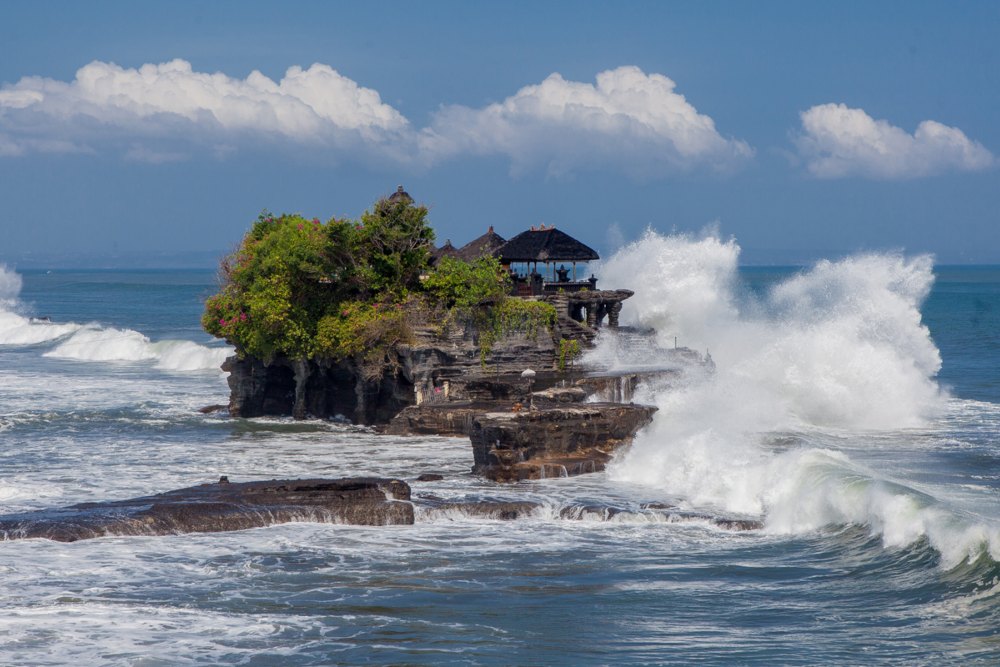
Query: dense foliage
{"x": 341, "y": 289}
{"x": 289, "y": 273}
{"x": 455, "y": 283}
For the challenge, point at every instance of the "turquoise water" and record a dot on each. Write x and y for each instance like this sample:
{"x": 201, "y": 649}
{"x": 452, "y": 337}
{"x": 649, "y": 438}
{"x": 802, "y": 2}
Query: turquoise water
{"x": 881, "y": 517}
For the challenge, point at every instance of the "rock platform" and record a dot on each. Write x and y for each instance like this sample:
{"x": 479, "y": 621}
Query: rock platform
{"x": 223, "y": 506}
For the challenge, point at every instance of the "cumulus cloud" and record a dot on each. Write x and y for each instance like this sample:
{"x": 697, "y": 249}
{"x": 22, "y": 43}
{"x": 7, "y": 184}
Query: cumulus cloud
{"x": 839, "y": 141}
{"x": 627, "y": 120}
{"x": 630, "y": 119}
{"x": 105, "y": 102}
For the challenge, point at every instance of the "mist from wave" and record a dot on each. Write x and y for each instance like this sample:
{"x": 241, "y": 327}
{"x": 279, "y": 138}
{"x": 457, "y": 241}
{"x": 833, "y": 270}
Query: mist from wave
{"x": 834, "y": 352}
{"x": 93, "y": 342}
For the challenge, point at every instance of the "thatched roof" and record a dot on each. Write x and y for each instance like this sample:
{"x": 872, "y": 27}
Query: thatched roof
{"x": 400, "y": 195}
{"x": 482, "y": 246}
{"x": 447, "y": 250}
{"x": 544, "y": 245}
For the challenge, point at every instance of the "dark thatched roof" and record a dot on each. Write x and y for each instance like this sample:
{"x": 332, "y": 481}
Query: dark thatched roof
{"x": 400, "y": 195}
{"x": 447, "y": 250}
{"x": 481, "y": 247}
{"x": 544, "y": 245}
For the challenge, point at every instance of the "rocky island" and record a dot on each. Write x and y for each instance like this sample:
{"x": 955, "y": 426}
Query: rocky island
{"x": 367, "y": 321}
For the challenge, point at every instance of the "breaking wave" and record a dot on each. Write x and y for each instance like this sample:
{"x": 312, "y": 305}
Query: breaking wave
{"x": 93, "y": 342}
{"x": 833, "y": 353}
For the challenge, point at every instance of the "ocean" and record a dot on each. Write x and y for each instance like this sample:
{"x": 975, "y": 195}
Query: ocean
{"x": 854, "y": 411}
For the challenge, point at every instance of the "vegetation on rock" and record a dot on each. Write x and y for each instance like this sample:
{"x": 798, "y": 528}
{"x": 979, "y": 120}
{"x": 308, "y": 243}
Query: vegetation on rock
{"x": 340, "y": 289}
{"x": 569, "y": 350}
{"x": 510, "y": 316}
{"x": 455, "y": 283}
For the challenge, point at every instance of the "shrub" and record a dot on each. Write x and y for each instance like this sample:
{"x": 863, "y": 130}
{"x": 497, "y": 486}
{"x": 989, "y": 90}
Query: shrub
{"x": 509, "y": 316}
{"x": 368, "y": 333}
{"x": 455, "y": 283}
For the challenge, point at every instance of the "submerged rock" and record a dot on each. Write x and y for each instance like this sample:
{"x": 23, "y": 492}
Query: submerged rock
{"x": 500, "y": 510}
{"x": 223, "y": 506}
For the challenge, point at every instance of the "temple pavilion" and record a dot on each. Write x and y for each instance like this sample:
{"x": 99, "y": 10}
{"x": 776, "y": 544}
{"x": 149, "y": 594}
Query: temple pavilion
{"x": 551, "y": 249}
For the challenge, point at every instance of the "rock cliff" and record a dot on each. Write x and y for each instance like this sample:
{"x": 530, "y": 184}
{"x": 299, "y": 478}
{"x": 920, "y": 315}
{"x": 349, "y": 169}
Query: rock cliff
{"x": 443, "y": 363}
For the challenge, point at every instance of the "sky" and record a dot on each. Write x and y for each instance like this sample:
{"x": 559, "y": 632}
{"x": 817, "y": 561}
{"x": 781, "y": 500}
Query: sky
{"x": 154, "y": 133}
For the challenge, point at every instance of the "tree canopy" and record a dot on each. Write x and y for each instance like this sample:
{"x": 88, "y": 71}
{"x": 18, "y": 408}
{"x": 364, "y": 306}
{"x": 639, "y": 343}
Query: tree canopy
{"x": 301, "y": 288}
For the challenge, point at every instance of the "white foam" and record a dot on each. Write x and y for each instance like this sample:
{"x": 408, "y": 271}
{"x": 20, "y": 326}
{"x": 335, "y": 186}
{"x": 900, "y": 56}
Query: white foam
{"x": 93, "y": 342}
{"x": 184, "y": 355}
{"x": 838, "y": 349}
{"x": 18, "y": 330}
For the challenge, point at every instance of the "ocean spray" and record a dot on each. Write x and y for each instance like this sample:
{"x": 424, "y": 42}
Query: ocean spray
{"x": 835, "y": 351}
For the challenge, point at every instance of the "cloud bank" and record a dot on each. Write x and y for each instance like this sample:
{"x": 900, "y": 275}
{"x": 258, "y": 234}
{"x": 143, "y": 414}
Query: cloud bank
{"x": 838, "y": 141}
{"x": 170, "y": 102}
{"x": 628, "y": 119}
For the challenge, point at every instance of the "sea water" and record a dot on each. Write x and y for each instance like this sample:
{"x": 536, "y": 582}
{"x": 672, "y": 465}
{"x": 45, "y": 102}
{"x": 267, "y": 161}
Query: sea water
{"x": 854, "y": 411}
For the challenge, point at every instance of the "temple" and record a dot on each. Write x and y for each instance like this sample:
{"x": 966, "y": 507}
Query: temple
{"x": 549, "y": 247}
{"x": 537, "y": 260}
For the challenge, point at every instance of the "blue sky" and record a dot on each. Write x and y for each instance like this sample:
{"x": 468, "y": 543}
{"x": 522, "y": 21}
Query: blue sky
{"x": 804, "y": 130}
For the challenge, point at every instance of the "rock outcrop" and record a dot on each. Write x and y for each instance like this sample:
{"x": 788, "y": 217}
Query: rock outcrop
{"x": 222, "y": 507}
{"x": 442, "y": 364}
{"x": 553, "y": 442}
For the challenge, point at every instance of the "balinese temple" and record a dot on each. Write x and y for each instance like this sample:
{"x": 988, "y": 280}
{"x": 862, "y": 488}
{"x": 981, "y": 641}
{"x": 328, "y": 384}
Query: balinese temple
{"x": 558, "y": 255}
{"x": 400, "y": 195}
{"x": 447, "y": 250}
{"x": 553, "y": 249}
{"x": 485, "y": 245}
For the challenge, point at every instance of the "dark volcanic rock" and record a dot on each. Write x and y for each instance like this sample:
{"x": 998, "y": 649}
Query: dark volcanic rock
{"x": 553, "y": 442}
{"x": 221, "y": 507}
{"x": 322, "y": 388}
{"x": 502, "y": 510}
{"x": 447, "y": 418}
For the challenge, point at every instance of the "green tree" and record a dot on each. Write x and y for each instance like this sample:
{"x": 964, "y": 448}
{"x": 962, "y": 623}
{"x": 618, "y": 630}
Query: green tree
{"x": 289, "y": 273}
{"x": 455, "y": 283}
{"x": 274, "y": 288}
{"x": 397, "y": 243}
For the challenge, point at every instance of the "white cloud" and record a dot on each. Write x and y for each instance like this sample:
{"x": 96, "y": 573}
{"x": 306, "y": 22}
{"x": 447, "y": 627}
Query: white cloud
{"x": 170, "y": 100}
{"x": 838, "y": 141}
{"x": 630, "y": 119}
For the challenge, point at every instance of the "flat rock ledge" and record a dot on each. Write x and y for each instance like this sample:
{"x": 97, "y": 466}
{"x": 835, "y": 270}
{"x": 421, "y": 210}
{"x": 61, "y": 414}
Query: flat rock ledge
{"x": 448, "y": 419}
{"x": 553, "y": 442}
{"x": 223, "y": 506}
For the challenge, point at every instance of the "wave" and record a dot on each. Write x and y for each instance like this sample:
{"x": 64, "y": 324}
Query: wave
{"x": 834, "y": 352}
{"x": 93, "y": 342}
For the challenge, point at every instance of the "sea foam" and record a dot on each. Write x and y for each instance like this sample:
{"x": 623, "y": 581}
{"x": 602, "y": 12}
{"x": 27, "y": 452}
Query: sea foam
{"x": 836, "y": 351}
{"x": 94, "y": 342}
